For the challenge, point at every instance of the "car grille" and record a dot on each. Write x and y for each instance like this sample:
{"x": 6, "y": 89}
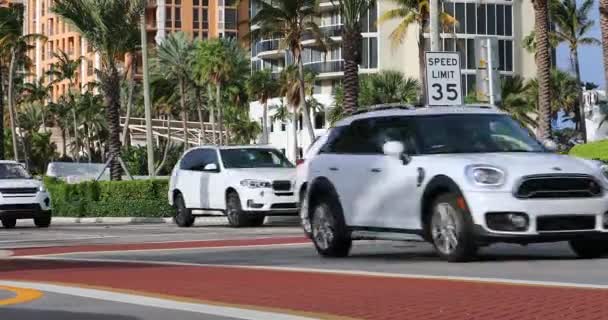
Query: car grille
{"x": 555, "y": 186}
{"x": 18, "y": 190}
{"x": 284, "y": 206}
{"x": 281, "y": 185}
{"x": 19, "y": 207}
{"x": 565, "y": 223}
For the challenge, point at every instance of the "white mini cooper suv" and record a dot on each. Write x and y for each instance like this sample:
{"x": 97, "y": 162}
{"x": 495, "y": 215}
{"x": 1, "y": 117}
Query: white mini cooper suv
{"x": 246, "y": 183}
{"x": 459, "y": 177}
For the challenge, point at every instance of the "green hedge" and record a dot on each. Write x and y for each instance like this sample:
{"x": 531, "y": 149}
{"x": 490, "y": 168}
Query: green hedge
{"x": 139, "y": 198}
{"x": 597, "y": 150}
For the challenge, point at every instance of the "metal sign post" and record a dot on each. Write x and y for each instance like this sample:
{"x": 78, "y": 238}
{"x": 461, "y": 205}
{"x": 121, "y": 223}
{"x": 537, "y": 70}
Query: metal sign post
{"x": 443, "y": 80}
{"x": 488, "y": 87}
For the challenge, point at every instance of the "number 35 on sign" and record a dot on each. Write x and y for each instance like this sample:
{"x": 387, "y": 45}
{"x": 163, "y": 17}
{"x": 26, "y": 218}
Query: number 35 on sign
{"x": 443, "y": 82}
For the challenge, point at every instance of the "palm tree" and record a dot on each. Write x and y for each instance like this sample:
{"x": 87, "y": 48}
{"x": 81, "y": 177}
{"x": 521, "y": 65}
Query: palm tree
{"x": 515, "y": 101}
{"x": 352, "y": 11}
{"x": 289, "y": 88}
{"x": 174, "y": 59}
{"x": 543, "y": 67}
{"x": 262, "y": 87}
{"x": 15, "y": 45}
{"x": 291, "y": 20}
{"x": 603, "y": 7}
{"x": 38, "y": 92}
{"x": 111, "y": 27}
{"x": 410, "y": 12}
{"x": 218, "y": 61}
{"x": 388, "y": 87}
{"x": 572, "y": 25}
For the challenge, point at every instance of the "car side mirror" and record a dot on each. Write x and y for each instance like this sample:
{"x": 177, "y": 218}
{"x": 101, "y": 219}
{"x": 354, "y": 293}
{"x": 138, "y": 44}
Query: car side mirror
{"x": 211, "y": 167}
{"x": 396, "y": 149}
{"x": 550, "y": 145}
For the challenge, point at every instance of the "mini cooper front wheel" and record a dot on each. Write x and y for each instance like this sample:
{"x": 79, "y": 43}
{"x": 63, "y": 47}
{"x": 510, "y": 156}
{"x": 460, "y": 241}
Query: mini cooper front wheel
{"x": 451, "y": 229}
{"x": 329, "y": 232}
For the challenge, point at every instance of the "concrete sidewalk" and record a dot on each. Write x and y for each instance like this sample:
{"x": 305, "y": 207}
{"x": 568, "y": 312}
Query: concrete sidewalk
{"x": 200, "y": 221}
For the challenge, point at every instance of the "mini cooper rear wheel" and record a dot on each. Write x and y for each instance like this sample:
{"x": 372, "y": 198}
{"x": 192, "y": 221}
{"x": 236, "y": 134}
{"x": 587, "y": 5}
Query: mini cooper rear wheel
{"x": 329, "y": 232}
{"x": 183, "y": 216}
{"x": 588, "y": 248}
{"x": 9, "y": 223}
{"x": 451, "y": 229}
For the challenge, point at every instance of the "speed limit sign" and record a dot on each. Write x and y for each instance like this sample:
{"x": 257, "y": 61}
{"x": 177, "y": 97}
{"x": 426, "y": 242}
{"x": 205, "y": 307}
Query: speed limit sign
{"x": 443, "y": 83}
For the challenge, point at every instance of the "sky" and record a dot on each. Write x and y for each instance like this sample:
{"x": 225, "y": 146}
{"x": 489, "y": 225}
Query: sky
{"x": 590, "y": 57}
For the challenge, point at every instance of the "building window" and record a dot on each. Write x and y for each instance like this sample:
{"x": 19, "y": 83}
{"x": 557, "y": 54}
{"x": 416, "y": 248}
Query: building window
{"x": 178, "y": 17}
{"x": 271, "y": 125}
{"x": 205, "y": 18}
{"x": 283, "y": 126}
{"x": 89, "y": 68}
{"x": 230, "y": 21}
{"x": 168, "y": 15}
{"x": 196, "y": 15}
{"x": 319, "y": 120}
{"x": 369, "y": 53}
{"x": 368, "y": 20}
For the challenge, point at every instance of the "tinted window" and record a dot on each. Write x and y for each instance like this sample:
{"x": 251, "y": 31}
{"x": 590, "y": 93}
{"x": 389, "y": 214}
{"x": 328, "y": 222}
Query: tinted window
{"x": 368, "y": 136}
{"x": 13, "y": 171}
{"x": 254, "y": 158}
{"x": 196, "y": 160}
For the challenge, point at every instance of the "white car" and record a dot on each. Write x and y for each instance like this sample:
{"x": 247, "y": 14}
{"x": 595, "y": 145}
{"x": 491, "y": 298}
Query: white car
{"x": 302, "y": 165}
{"x": 246, "y": 183}
{"x": 22, "y": 197}
{"x": 458, "y": 177}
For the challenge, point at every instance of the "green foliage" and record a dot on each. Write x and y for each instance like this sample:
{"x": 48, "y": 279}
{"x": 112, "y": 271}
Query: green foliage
{"x": 139, "y": 198}
{"x": 594, "y": 150}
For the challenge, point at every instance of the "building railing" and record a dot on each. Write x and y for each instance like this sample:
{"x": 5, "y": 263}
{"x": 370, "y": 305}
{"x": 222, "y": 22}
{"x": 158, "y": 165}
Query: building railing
{"x": 325, "y": 66}
{"x": 327, "y": 31}
{"x": 265, "y": 45}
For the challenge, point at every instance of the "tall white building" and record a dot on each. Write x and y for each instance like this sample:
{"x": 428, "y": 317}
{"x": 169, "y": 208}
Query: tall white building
{"x": 508, "y": 21}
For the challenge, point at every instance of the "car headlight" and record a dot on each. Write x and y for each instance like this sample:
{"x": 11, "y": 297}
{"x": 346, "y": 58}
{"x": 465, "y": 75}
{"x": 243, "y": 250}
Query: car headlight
{"x": 256, "y": 184}
{"x": 41, "y": 188}
{"x": 485, "y": 175}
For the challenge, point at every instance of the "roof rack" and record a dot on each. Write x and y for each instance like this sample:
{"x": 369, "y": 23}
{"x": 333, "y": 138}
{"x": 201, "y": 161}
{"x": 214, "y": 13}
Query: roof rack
{"x": 380, "y": 107}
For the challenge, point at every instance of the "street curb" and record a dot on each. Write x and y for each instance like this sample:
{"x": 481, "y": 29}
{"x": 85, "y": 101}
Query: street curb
{"x": 5, "y": 253}
{"x": 219, "y": 220}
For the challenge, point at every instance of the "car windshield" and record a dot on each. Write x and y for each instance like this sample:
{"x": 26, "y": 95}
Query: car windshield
{"x": 254, "y": 158}
{"x": 13, "y": 171}
{"x": 466, "y": 133}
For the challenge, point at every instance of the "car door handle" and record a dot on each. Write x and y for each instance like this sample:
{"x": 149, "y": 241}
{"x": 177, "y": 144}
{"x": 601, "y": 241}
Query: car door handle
{"x": 333, "y": 169}
{"x": 376, "y": 170}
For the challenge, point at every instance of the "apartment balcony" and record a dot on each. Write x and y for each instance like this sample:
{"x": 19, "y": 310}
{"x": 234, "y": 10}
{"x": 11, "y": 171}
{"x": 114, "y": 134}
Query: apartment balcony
{"x": 268, "y": 49}
{"x": 333, "y": 32}
{"x": 327, "y": 69}
{"x": 328, "y": 5}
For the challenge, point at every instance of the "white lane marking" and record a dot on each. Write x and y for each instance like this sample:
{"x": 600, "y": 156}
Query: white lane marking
{"x": 233, "y": 248}
{"x": 231, "y": 312}
{"x": 341, "y": 272}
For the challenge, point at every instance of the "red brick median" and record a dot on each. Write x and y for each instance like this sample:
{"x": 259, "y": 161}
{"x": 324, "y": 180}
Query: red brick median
{"x": 364, "y": 297}
{"x": 160, "y": 245}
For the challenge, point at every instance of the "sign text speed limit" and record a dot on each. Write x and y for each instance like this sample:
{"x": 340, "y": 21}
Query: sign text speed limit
{"x": 443, "y": 84}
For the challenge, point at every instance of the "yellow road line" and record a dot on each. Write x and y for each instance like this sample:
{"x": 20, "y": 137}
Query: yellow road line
{"x": 22, "y": 295}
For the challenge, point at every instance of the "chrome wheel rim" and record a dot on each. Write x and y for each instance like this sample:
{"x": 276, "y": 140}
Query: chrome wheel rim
{"x": 444, "y": 228}
{"x": 322, "y": 227}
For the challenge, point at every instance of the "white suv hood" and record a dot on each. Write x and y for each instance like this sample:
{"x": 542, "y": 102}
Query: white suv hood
{"x": 515, "y": 165}
{"x": 19, "y": 183}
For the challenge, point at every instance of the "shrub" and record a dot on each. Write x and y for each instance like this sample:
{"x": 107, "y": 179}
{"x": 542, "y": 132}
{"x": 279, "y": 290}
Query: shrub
{"x": 139, "y": 198}
{"x": 597, "y": 150}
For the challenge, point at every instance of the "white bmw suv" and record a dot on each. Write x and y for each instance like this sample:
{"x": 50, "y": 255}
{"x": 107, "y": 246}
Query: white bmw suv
{"x": 22, "y": 197}
{"x": 459, "y": 177}
{"x": 246, "y": 183}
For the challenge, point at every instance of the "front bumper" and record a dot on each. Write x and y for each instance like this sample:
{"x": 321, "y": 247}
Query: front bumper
{"x": 25, "y": 206}
{"x": 481, "y": 203}
{"x": 268, "y": 202}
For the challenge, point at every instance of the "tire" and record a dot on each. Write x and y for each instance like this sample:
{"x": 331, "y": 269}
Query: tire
{"x": 9, "y": 223}
{"x": 588, "y": 248}
{"x": 451, "y": 229}
{"x": 329, "y": 232}
{"x": 256, "y": 221}
{"x": 234, "y": 211}
{"x": 43, "y": 222}
{"x": 183, "y": 216}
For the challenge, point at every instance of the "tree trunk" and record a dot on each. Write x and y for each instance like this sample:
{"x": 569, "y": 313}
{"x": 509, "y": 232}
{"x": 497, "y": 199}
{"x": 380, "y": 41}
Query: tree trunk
{"x": 294, "y": 132}
{"x": 351, "y": 52}
{"x": 76, "y": 151}
{"x": 422, "y": 65}
{"x": 220, "y": 114}
{"x": 86, "y": 140}
{"x": 303, "y": 106}
{"x": 182, "y": 101}
{"x": 604, "y": 28}
{"x": 167, "y": 147}
{"x": 110, "y": 84}
{"x": 581, "y": 101}
{"x": 543, "y": 68}
{"x": 1, "y": 114}
{"x": 211, "y": 113}
{"x": 125, "y": 129}
{"x": 64, "y": 147}
{"x": 199, "y": 109}
{"x": 11, "y": 107}
{"x": 265, "y": 123}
